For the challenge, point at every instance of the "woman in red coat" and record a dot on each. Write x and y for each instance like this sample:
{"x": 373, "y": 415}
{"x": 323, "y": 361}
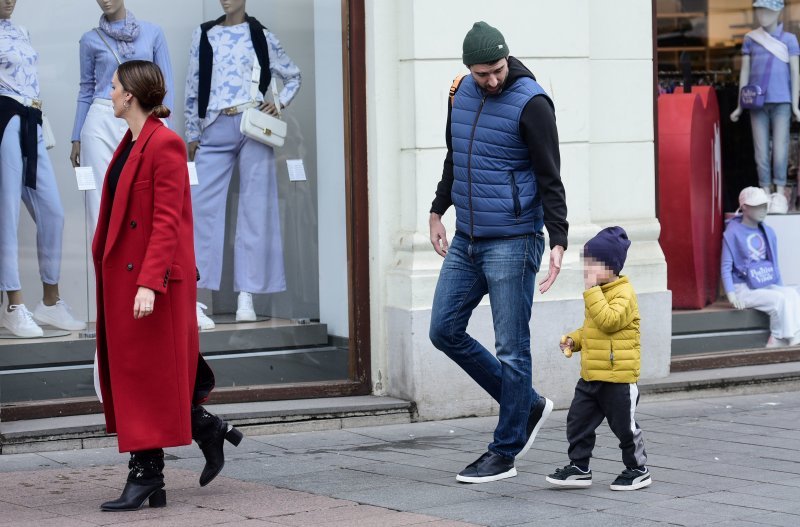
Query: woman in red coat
{"x": 147, "y": 336}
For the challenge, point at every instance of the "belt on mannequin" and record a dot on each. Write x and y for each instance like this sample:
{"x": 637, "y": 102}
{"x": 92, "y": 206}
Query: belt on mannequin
{"x": 239, "y": 108}
{"x": 26, "y": 101}
{"x": 103, "y": 102}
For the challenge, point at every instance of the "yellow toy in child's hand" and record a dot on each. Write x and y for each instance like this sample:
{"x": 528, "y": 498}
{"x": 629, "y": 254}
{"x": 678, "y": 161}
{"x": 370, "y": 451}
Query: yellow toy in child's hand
{"x": 567, "y": 351}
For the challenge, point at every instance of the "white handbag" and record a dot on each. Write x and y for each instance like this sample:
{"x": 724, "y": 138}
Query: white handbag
{"x": 47, "y": 133}
{"x": 258, "y": 125}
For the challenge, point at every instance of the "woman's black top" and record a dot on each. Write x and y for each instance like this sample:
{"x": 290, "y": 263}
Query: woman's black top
{"x": 116, "y": 170}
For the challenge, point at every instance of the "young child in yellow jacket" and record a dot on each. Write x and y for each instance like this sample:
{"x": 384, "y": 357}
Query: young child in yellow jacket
{"x": 610, "y": 364}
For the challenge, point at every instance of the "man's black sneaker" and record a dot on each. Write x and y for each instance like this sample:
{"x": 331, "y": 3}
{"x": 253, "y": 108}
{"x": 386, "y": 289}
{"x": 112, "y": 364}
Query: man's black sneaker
{"x": 536, "y": 418}
{"x": 570, "y": 476}
{"x": 632, "y": 479}
{"x": 488, "y": 467}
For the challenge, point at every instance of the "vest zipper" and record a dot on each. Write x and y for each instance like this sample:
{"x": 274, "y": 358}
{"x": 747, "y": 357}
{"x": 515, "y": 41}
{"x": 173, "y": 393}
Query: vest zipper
{"x": 611, "y": 357}
{"x": 469, "y": 171}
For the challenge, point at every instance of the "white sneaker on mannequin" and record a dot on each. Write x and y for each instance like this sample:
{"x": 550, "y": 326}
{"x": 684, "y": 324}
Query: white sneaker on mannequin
{"x": 58, "y": 315}
{"x": 772, "y": 342}
{"x": 244, "y": 309}
{"x": 19, "y": 321}
{"x": 203, "y": 320}
{"x": 778, "y": 204}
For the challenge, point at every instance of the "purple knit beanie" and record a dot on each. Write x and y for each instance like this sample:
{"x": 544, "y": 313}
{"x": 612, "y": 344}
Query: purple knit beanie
{"x": 609, "y": 247}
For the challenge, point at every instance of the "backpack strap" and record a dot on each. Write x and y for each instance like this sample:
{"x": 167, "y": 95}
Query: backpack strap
{"x": 454, "y": 87}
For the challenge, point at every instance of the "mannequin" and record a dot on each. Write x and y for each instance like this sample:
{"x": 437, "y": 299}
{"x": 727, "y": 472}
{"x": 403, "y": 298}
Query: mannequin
{"x": 26, "y": 173}
{"x": 217, "y": 92}
{"x": 119, "y": 37}
{"x": 782, "y": 92}
{"x": 748, "y": 241}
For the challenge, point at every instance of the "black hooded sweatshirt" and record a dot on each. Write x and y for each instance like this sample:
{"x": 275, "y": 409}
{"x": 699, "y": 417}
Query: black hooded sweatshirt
{"x": 538, "y": 130}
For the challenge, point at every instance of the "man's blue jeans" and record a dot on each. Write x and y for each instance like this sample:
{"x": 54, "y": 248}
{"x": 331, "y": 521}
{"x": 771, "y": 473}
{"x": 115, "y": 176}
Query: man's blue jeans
{"x": 506, "y": 270}
{"x": 774, "y": 119}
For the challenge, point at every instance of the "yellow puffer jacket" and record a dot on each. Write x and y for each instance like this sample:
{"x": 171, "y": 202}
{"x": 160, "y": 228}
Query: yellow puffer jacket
{"x": 609, "y": 338}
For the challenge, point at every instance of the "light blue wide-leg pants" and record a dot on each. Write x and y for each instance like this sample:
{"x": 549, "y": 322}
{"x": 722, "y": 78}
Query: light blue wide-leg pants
{"x": 43, "y": 204}
{"x": 258, "y": 248}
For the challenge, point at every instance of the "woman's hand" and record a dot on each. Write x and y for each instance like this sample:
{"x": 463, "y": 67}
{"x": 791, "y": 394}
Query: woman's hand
{"x": 143, "y": 303}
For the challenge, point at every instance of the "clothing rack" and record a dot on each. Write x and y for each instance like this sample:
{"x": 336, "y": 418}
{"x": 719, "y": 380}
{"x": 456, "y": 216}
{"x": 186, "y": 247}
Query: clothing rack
{"x": 697, "y": 73}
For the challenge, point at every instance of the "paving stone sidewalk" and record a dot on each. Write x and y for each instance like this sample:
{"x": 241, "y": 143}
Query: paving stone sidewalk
{"x": 724, "y": 461}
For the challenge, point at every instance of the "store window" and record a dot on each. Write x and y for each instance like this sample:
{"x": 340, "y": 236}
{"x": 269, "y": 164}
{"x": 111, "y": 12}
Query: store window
{"x": 703, "y": 39}
{"x": 707, "y": 154}
{"x": 272, "y": 233}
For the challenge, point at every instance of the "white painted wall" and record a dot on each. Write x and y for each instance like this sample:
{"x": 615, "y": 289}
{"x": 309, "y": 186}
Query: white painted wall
{"x": 595, "y": 58}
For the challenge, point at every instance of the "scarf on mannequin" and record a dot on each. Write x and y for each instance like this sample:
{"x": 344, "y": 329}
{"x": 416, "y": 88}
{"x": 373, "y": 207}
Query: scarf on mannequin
{"x": 770, "y": 43}
{"x": 124, "y": 34}
{"x": 206, "y": 59}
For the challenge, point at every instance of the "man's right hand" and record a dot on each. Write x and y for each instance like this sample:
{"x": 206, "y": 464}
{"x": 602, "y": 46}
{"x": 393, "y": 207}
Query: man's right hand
{"x": 438, "y": 234}
{"x": 193, "y": 149}
{"x": 75, "y": 154}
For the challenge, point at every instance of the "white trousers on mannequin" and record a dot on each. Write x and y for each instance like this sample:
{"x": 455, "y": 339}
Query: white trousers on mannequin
{"x": 100, "y": 136}
{"x": 781, "y": 303}
{"x": 43, "y": 204}
{"x": 258, "y": 247}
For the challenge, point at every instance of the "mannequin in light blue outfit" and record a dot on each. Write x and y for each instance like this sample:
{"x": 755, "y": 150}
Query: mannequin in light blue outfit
{"x": 20, "y": 106}
{"x": 770, "y": 124}
{"x": 120, "y": 37}
{"x": 216, "y": 144}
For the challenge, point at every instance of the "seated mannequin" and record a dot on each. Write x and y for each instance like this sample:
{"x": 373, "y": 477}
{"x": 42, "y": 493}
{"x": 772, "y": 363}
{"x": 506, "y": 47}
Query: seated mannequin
{"x": 770, "y": 60}
{"x": 750, "y": 272}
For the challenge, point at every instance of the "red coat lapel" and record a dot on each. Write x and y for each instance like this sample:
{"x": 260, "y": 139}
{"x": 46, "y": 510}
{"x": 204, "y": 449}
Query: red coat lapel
{"x": 101, "y": 232}
{"x": 126, "y": 180}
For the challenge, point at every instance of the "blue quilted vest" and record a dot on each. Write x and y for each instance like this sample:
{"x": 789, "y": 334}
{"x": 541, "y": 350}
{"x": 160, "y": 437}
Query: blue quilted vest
{"x": 494, "y": 187}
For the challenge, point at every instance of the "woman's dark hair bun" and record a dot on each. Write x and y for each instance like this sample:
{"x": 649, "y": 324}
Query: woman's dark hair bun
{"x": 161, "y": 111}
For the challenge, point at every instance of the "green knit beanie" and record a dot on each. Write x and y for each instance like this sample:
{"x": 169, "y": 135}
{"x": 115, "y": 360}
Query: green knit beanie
{"x": 483, "y": 44}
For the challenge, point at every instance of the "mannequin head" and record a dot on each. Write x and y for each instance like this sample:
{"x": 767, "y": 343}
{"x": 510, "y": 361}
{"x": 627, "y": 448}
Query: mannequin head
{"x": 768, "y": 12}
{"x": 112, "y": 9}
{"x": 753, "y": 203}
{"x": 233, "y": 7}
{"x": 754, "y": 214}
{"x": 7, "y": 8}
{"x": 767, "y": 17}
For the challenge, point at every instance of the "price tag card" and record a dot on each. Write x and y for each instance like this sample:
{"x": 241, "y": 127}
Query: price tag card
{"x": 85, "y": 178}
{"x": 297, "y": 171}
{"x": 192, "y": 173}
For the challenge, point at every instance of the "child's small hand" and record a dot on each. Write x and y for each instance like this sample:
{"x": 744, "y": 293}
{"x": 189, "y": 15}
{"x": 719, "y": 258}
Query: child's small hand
{"x": 566, "y": 345}
{"x": 590, "y": 278}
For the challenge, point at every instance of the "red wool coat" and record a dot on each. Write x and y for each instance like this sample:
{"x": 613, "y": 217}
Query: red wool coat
{"x": 147, "y": 367}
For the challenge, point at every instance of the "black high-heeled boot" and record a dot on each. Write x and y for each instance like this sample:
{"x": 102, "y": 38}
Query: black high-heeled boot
{"x": 210, "y": 432}
{"x": 145, "y": 482}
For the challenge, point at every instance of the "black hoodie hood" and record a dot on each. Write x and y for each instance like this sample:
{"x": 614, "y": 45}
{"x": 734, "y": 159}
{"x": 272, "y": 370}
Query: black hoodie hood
{"x": 517, "y": 70}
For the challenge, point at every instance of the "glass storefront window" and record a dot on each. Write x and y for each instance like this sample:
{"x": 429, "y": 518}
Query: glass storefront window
{"x": 286, "y": 240}
{"x": 699, "y": 46}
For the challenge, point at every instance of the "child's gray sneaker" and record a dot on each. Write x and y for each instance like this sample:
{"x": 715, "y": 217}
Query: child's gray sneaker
{"x": 570, "y": 476}
{"x": 632, "y": 479}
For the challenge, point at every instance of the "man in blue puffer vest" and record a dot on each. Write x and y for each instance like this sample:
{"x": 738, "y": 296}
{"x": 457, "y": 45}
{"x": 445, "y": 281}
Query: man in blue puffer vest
{"x": 502, "y": 173}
